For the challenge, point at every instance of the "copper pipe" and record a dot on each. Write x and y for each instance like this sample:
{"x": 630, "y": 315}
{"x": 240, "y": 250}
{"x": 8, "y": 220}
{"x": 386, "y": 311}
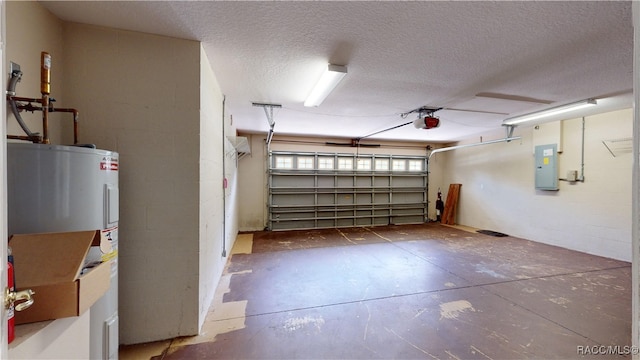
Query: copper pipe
{"x": 18, "y": 98}
{"x": 29, "y": 107}
{"x": 45, "y": 119}
{"x": 32, "y": 108}
{"x": 46, "y": 104}
{"x": 45, "y": 89}
{"x": 35, "y": 139}
{"x": 76, "y": 114}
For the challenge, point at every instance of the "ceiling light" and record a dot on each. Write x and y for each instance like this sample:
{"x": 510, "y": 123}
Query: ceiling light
{"x": 549, "y": 112}
{"x": 329, "y": 80}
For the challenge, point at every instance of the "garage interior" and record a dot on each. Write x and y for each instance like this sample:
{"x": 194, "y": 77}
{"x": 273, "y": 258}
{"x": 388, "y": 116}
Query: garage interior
{"x": 254, "y": 226}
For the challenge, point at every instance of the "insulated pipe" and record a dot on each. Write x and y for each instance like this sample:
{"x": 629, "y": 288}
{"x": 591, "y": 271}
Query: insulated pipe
{"x": 15, "y": 78}
{"x": 470, "y": 145}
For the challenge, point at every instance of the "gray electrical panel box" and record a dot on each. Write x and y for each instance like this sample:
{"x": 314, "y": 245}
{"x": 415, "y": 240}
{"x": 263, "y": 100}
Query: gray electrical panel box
{"x": 546, "y": 167}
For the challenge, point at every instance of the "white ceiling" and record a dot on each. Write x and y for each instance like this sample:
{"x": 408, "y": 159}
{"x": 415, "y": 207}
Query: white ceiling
{"x": 468, "y": 58}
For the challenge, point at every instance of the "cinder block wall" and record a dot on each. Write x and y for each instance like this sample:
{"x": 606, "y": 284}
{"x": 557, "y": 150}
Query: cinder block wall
{"x": 498, "y": 191}
{"x": 133, "y": 100}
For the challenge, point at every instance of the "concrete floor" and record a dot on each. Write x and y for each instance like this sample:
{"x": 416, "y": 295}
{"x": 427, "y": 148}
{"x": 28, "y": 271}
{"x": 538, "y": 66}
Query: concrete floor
{"x": 408, "y": 292}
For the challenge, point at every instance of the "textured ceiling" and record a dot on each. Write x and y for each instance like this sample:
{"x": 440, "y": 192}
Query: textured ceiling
{"x": 480, "y": 61}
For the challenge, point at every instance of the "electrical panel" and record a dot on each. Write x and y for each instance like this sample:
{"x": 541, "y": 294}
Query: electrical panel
{"x": 546, "y": 167}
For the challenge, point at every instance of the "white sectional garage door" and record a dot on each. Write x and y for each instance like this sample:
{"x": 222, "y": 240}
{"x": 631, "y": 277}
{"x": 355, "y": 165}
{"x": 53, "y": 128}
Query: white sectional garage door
{"x": 327, "y": 190}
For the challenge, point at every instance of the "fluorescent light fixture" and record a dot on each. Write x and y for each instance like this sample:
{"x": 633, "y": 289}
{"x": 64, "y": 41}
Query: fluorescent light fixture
{"x": 329, "y": 80}
{"x": 550, "y": 112}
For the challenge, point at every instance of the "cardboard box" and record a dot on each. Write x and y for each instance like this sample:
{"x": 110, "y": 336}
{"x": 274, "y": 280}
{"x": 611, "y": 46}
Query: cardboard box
{"x": 51, "y": 264}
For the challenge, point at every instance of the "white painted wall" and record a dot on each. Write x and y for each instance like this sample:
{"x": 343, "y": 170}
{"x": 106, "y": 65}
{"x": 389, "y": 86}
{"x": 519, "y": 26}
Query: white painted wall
{"x": 152, "y": 99}
{"x": 498, "y": 188}
{"x": 211, "y": 192}
{"x": 251, "y": 182}
{"x": 140, "y": 96}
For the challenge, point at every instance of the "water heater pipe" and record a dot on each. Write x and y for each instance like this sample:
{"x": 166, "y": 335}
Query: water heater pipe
{"x": 16, "y": 76}
{"x": 46, "y": 104}
{"x": 75, "y": 114}
{"x": 30, "y": 107}
{"x": 45, "y": 90}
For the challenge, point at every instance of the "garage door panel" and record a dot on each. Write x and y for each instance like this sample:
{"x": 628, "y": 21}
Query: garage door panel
{"x": 364, "y": 181}
{"x": 364, "y": 198}
{"x": 323, "y": 224}
{"x": 352, "y": 193}
{"x": 292, "y": 181}
{"x": 293, "y": 199}
{"x": 364, "y": 218}
{"x": 326, "y": 181}
{"x": 345, "y": 199}
{"x": 381, "y": 198}
{"x": 326, "y": 199}
{"x": 405, "y": 198}
{"x": 407, "y": 181}
{"x": 344, "y": 181}
{"x": 407, "y": 220}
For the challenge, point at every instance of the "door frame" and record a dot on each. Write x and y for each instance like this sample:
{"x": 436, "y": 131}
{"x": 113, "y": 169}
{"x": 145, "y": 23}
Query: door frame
{"x": 3, "y": 185}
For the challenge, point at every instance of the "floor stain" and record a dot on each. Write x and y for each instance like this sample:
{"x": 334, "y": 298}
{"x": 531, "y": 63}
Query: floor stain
{"x": 298, "y": 323}
{"x": 452, "y": 309}
{"x": 481, "y": 268}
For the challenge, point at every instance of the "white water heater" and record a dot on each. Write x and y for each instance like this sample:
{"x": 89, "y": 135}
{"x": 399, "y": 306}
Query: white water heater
{"x": 56, "y": 188}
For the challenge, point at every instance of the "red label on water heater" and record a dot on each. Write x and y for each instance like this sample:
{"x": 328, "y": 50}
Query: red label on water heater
{"x": 109, "y": 163}
{"x": 108, "y": 166}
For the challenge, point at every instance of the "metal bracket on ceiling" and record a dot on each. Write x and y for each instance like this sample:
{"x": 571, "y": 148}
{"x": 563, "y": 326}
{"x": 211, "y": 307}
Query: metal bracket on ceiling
{"x": 422, "y": 111}
{"x": 509, "y": 130}
{"x": 268, "y": 111}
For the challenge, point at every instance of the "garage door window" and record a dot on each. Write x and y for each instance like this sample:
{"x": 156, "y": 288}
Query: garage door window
{"x": 305, "y": 162}
{"x": 399, "y": 165}
{"x": 325, "y": 163}
{"x": 284, "y": 162}
{"x": 382, "y": 164}
{"x": 345, "y": 164}
{"x": 364, "y": 164}
{"x": 415, "y": 165}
